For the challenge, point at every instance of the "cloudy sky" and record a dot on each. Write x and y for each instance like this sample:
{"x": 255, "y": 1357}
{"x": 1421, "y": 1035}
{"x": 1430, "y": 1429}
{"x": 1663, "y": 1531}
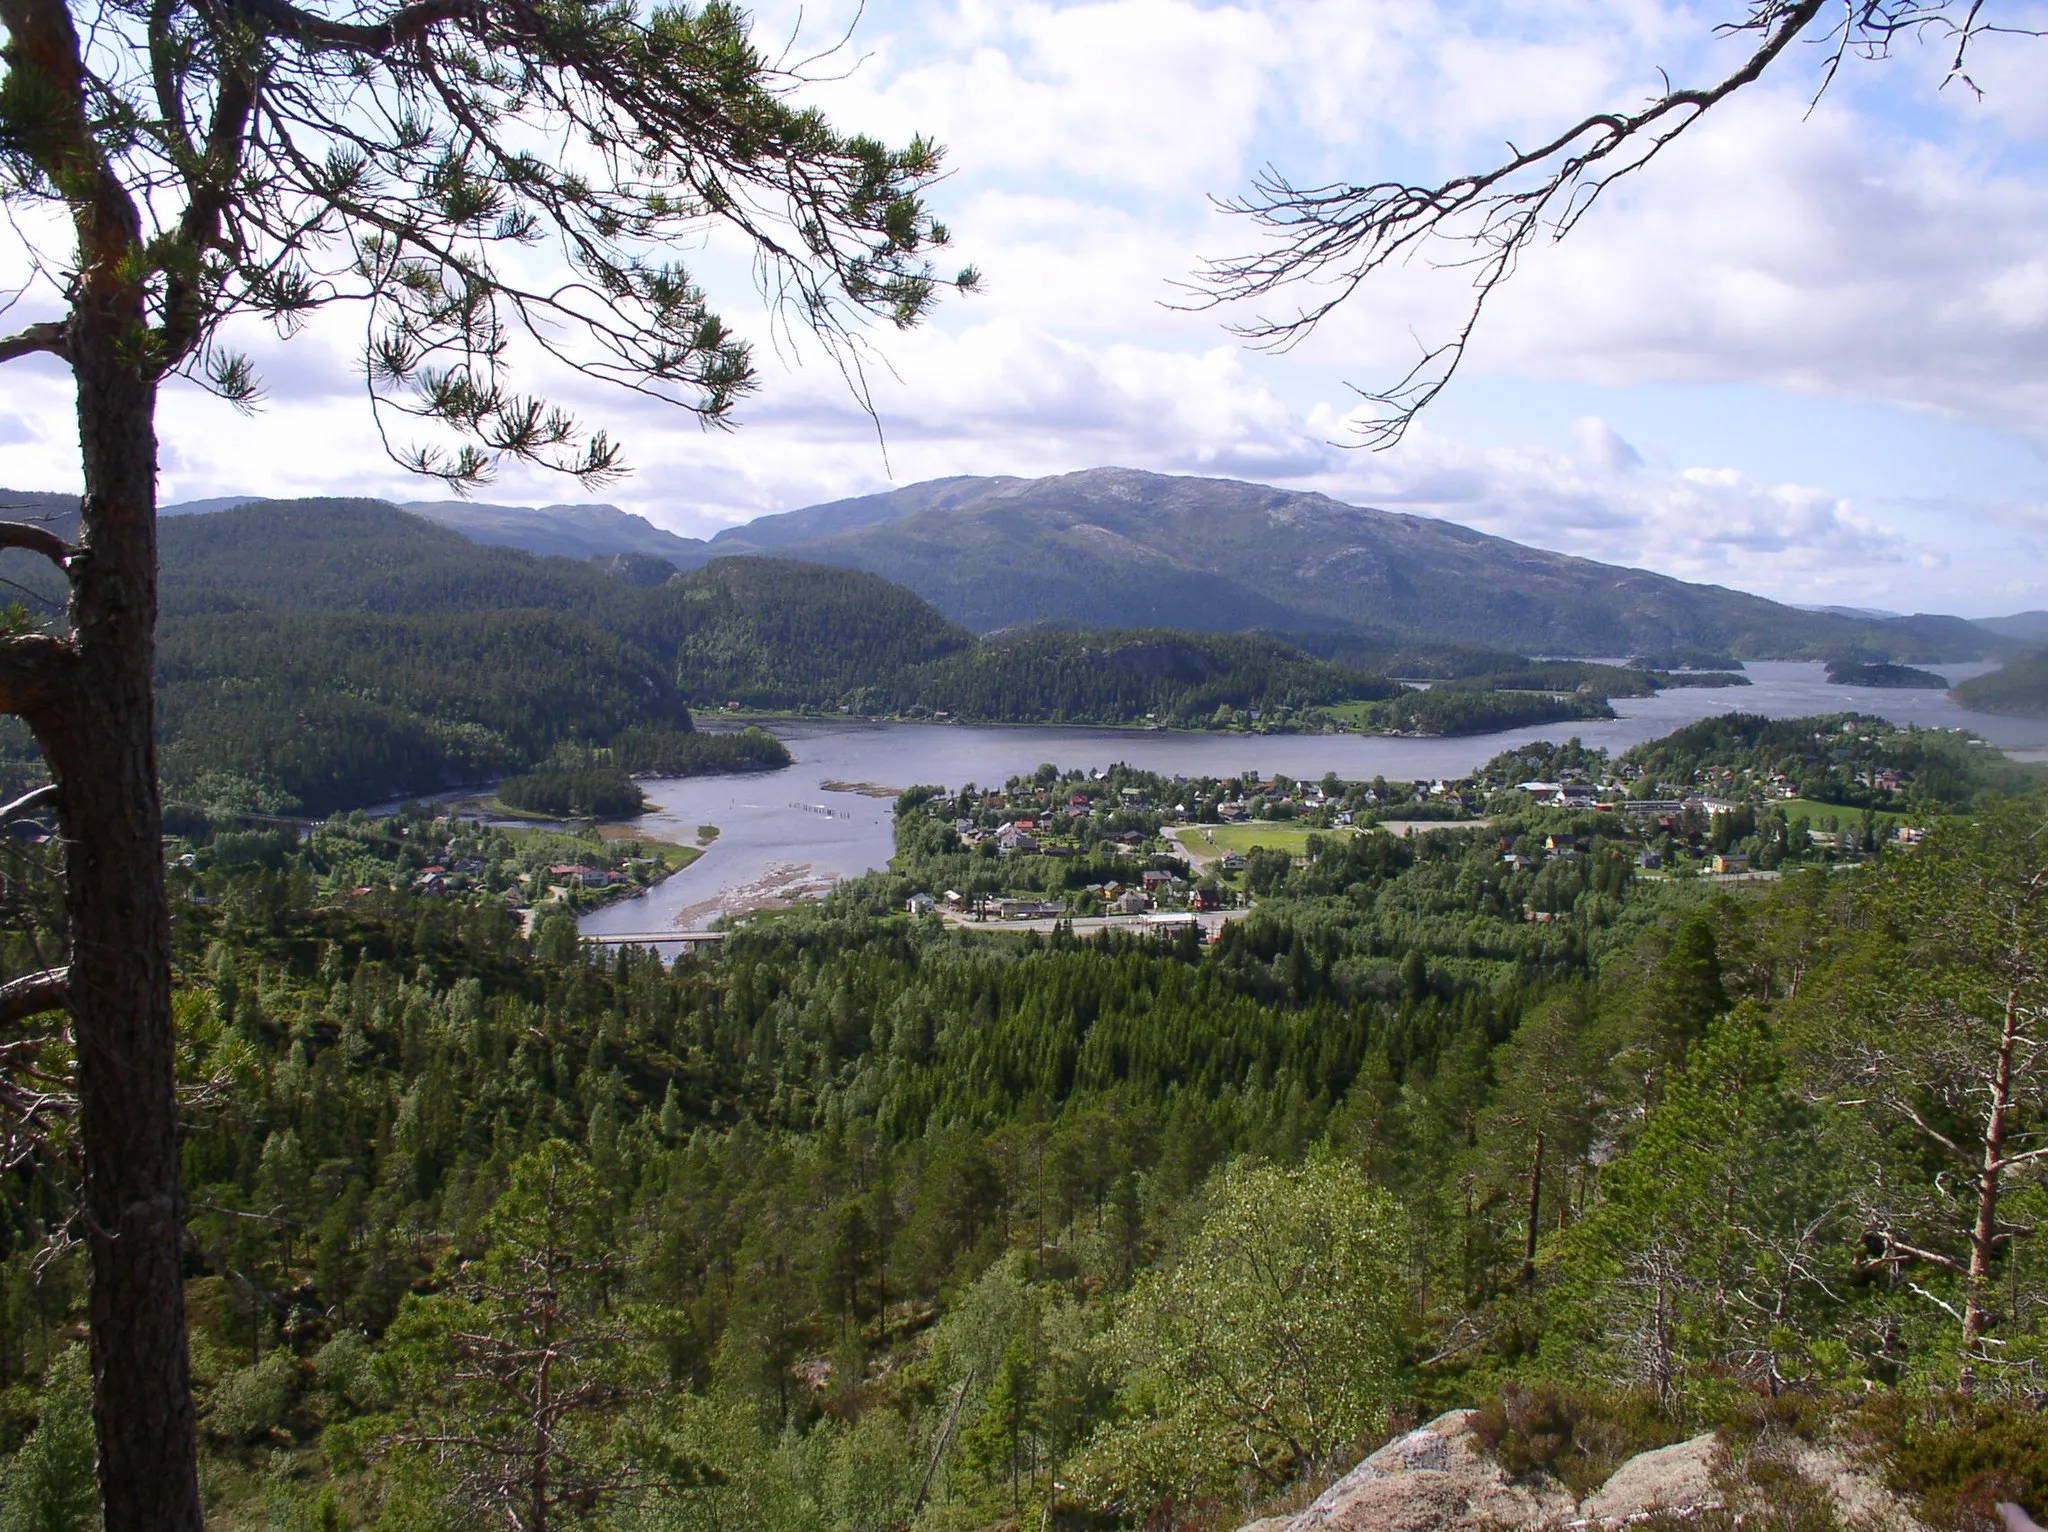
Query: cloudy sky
{"x": 1805, "y": 354}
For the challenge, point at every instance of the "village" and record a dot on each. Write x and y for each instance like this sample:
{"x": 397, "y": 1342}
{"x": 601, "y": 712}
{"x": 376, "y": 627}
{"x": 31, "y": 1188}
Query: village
{"x": 1118, "y": 845}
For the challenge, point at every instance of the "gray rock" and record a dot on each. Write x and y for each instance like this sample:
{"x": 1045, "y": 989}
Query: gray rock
{"x": 1434, "y": 1479}
{"x": 1675, "y": 1478}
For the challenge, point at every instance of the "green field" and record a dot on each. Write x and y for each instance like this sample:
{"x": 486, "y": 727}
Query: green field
{"x": 1797, "y": 809}
{"x": 569, "y": 847}
{"x": 1282, "y": 836}
{"x": 1358, "y": 715}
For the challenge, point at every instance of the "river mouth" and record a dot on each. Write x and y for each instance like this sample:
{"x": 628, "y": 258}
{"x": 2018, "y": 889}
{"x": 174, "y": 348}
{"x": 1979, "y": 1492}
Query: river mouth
{"x": 789, "y": 835}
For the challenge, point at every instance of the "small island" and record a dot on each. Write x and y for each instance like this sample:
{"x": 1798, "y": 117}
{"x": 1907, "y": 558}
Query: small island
{"x": 1893, "y": 677}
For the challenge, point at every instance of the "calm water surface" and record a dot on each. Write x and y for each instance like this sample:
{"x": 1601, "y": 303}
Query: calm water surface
{"x": 786, "y": 834}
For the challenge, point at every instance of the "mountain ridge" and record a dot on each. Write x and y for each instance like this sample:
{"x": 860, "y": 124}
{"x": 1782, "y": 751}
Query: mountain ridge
{"x": 1115, "y": 546}
{"x": 1125, "y": 548}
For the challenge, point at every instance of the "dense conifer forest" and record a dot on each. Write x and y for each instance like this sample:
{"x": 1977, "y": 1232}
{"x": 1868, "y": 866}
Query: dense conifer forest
{"x": 875, "y": 1221}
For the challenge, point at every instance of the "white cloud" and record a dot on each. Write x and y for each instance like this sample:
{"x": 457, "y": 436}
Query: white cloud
{"x": 1863, "y": 254}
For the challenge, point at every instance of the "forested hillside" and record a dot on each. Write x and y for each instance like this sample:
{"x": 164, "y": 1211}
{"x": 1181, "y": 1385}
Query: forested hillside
{"x": 2020, "y": 688}
{"x": 320, "y": 654}
{"x": 873, "y": 1222}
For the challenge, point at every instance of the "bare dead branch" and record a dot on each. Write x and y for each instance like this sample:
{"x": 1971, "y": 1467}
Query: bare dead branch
{"x": 1339, "y": 235}
{"x": 38, "y": 800}
{"x": 34, "y": 539}
{"x": 47, "y": 339}
{"x": 32, "y": 994}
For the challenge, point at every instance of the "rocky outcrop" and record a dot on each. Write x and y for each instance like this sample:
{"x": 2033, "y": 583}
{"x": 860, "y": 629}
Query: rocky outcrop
{"x": 1439, "y": 1479}
{"x": 1675, "y": 1478}
{"x": 1434, "y": 1479}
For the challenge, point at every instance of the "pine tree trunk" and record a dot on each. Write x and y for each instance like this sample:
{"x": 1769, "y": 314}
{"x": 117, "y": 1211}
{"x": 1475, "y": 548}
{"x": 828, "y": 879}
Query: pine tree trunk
{"x": 100, "y": 743}
{"x": 1984, "y": 1231}
{"x": 1535, "y": 1213}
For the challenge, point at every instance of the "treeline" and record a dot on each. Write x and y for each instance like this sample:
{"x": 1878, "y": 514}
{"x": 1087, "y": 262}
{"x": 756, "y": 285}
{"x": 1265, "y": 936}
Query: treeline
{"x": 658, "y": 752}
{"x": 1172, "y": 677}
{"x": 1457, "y": 709}
{"x": 600, "y": 794}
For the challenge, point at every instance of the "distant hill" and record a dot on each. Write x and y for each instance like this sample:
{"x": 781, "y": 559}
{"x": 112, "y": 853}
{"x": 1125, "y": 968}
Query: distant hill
{"x": 570, "y": 531}
{"x": 1114, "y": 546}
{"x": 2027, "y": 627}
{"x": 2019, "y": 690}
{"x": 788, "y": 528}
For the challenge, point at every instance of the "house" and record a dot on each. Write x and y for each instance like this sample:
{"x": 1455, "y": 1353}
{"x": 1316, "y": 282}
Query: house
{"x": 1231, "y": 813}
{"x": 1156, "y": 881}
{"x": 1011, "y": 841}
{"x": 1206, "y": 899}
{"x": 919, "y": 905}
{"x": 1650, "y": 860}
{"x": 1518, "y": 863}
{"x": 1731, "y": 861}
{"x": 1655, "y": 808}
{"x": 1232, "y": 862}
{"x": 1029, "y": 909}
{"x": 1131, "y": 902}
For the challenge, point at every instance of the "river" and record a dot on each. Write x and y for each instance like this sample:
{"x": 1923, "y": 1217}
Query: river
{"x": 790, "y": 834}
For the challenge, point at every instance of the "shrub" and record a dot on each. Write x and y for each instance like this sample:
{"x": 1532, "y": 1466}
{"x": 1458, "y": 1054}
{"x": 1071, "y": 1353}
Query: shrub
{"x": 1578, "y": 1437}
{"x": 253, "y": 1401}
{"x": 1961, "y": 1457}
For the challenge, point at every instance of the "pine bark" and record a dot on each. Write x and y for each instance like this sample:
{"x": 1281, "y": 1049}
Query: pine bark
{"x": 99, "y": 739}
{"x": 90, "y": 700}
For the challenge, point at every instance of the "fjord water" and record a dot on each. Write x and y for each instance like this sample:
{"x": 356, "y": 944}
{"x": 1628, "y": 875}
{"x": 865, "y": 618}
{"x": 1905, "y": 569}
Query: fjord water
{"x": 787, "y": 834}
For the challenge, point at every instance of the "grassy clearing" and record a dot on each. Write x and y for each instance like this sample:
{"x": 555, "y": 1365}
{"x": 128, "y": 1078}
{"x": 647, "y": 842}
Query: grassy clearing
{"x": 569, "y": 847}
{"x": 1274, "y": 836}
{"x": 1357, "y": 714}
{"x": 1797, "y": 809}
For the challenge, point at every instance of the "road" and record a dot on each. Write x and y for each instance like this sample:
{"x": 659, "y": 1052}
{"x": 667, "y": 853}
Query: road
{"x": 1211, "y": 922}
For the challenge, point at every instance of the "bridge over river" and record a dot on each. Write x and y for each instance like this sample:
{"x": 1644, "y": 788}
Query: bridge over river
{"x": 654, "y": 938}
